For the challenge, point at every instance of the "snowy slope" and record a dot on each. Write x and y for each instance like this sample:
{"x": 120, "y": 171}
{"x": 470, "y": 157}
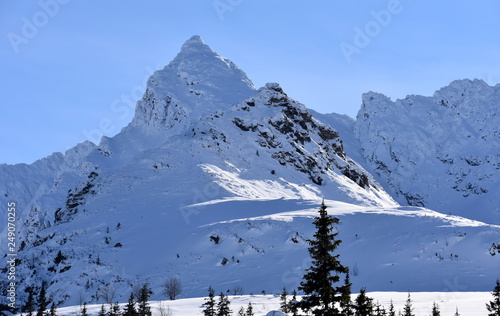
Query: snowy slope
{"x": 441, "y": 152}
{"x": 216, "y": 182}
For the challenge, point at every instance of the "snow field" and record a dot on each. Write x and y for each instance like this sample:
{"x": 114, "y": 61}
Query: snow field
{"x": 468, "y": 303}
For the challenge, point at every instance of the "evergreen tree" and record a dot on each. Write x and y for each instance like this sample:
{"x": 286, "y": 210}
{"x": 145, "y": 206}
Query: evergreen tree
{"x": 102, "y": 312}
{"x": 320, "y": 293}
{"x": 363, "y": 304}
{"x": 84, "y": 310}
{"x": 293, "y": 305}
{"x": 408, "y": 309}
{"x": 379, "y": 310}
{"x": 209, "y": 303}
{"x": 242, "y": 312}
{"x": 346, "y": 303}
{"x": 114, "y": 310}
{"x": 130, "y": 309}
{"x": 494, "y": 305}
{"x": 284, "y": 306}
{"x": 392, "y": 311}
{"x": 53, "y": 311}
{"x": 456, "y": 312}
{"x": 143, "y": 301}
{"x": 42, "y": 301}
{"x": 29, "y": 307}
{"x": 435, "y": 309}
{"x": 223, "y": 306}
{"x": 249, "y": 310}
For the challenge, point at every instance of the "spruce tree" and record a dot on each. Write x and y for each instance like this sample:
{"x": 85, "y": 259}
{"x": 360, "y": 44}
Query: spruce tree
{"x": 209, "y": 303}
{"x": 143, "y": 301}
{"x": 223, "y": 306}
{"x": 249, "y": 310}
{"x": 84, "y": 310}
{"x": 456, "y": 312}
{"x": 293, "y": 305}
{"x": 363, "y": 304}
{"x": 53, "y": 311}
{"x": 408, "y": 309}
{"x": 114, "y": 310}
{"x": 392, "y": 311}
{"x": 321, "y": 296}
{"x": 284, "y": 306}
{"x": 42, "y": 301}
{"x": 130, "y": 309}
{"x": 493, "y": 306}
{"x": 346, "y": 303}
{"x": 379, "y": 310}
{"x": 102, "y": 312}
{"x": 435, "y": 309}
{"x": 29, "y": 307}
{"x": 242, "y": 312}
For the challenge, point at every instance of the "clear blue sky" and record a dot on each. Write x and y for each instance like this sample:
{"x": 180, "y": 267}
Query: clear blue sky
{"x": 64, "y": 63}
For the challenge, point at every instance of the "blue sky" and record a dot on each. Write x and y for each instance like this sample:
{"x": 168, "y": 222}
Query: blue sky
{"x": 64, "y": 63}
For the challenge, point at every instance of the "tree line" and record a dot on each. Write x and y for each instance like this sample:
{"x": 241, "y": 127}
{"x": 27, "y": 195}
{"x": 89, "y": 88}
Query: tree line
{"x": 137, "y": 305}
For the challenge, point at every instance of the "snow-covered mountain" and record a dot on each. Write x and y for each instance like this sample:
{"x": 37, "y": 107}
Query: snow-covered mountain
{"x": 216, "y": 182}
{"x": 441, "y": 152}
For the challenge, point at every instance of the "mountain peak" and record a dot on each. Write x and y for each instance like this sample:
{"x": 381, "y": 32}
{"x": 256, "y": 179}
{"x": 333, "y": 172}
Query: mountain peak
{"x": 462, "y": 87}
{"x": 194, "y": 41}
{"x": 195, "y": 38}
{"x": 193, "y": 49}
{"x": 196, "y": 81}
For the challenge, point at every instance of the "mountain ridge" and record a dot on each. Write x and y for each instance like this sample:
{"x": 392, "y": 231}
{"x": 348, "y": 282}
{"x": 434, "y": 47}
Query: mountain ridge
{"x": 409, "y": 145}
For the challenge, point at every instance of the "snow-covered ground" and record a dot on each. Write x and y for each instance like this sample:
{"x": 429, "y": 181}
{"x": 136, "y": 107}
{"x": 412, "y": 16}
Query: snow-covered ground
{"x": 468, "y": 303}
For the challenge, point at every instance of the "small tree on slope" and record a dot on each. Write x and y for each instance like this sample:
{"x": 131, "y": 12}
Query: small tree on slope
{"x": 29, "y": 307}
{"x": 363, "y": 304}
{"x": 242, "y": 312}
{"x": 83, "y": 311}
{"x": 293, "y": 304}
{"x": 130, "y": 309}
{"x": 494, "y": 305}
{"x": 408, "y": 309}
{"x": 143, "y": 301}
{"x": 102, "y": 312}
{"x": 223, "y": 306}
{"x": 172, "y": 288}
{"x": 42, "y": 301}
{"x": 53, "y": 311}
{"x": 346, "y": 303}
{"x": 435, "y": 309}
{"x": 321, "y": 296}
{"x": 379, "y": 310}
{"x": 392, "y": 311}
{"x": 249, "y": 311}
{"x": 209, "y": 303}
{"x": 284, "y": 305}
{"x": 114, "y": 310}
